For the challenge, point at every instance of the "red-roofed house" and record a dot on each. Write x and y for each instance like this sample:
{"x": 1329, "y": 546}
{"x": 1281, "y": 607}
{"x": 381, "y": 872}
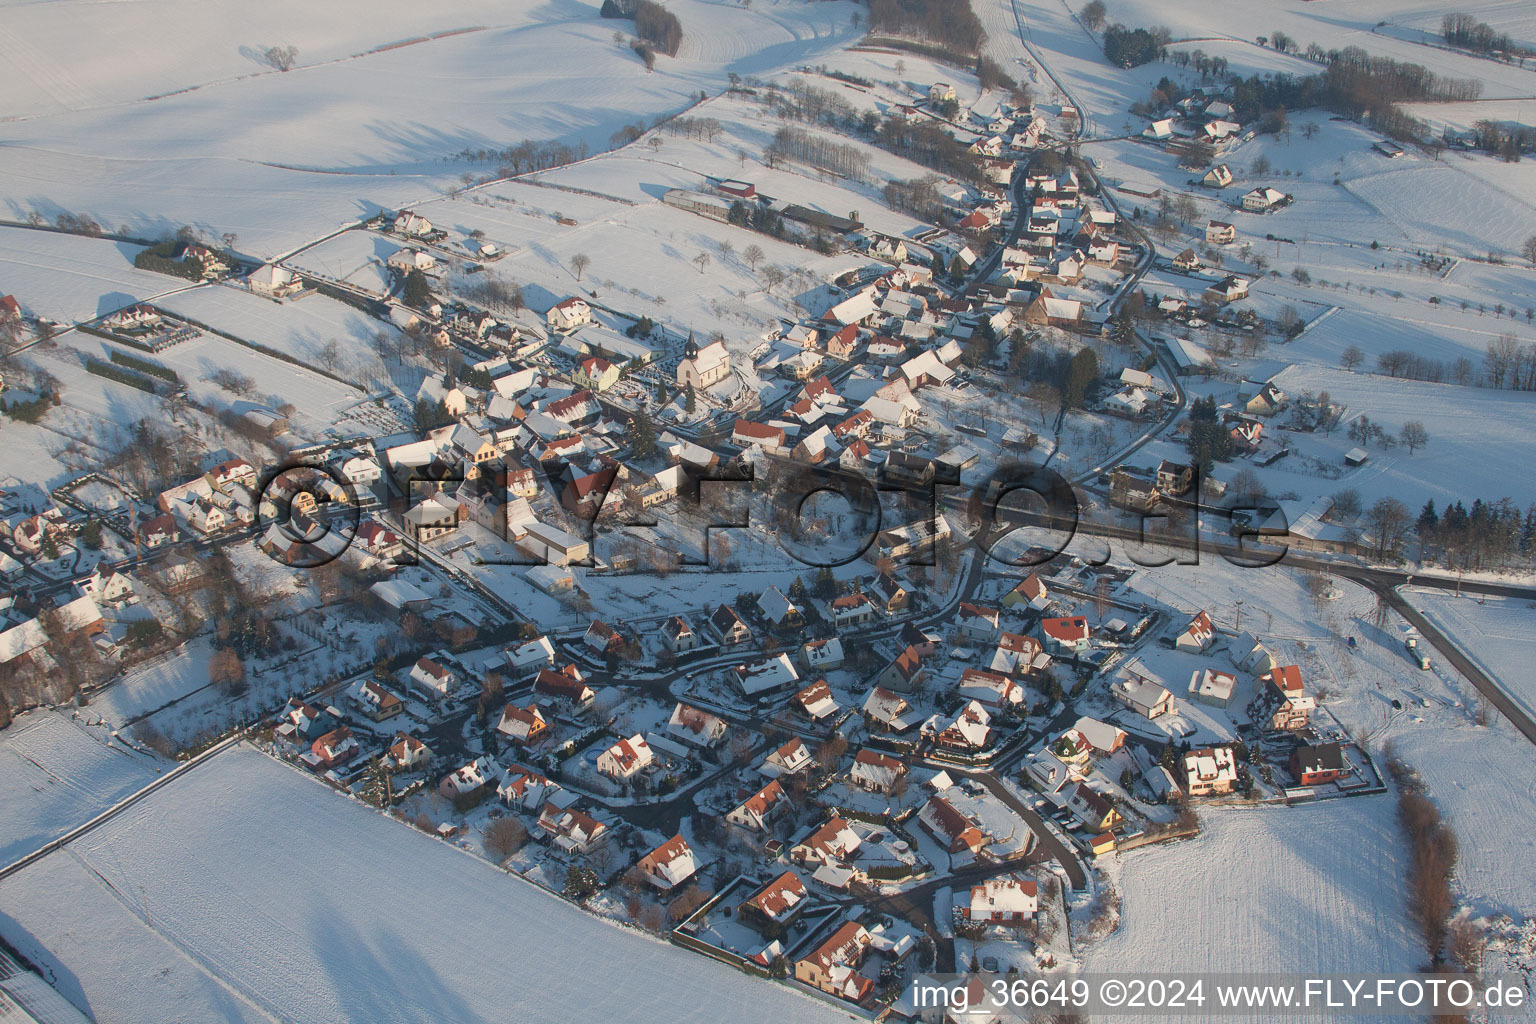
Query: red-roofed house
{"x": 833, "y": 966}
{"x": 626, "y": 758}
{"x": 1069, "y": 633}
{"x": 759, "y": 811}
{"x": 670, "y": 864}
{"x": 1006, "y": 900}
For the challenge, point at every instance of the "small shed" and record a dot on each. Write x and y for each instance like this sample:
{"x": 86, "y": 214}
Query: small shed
{"x": 1356, "y": 457}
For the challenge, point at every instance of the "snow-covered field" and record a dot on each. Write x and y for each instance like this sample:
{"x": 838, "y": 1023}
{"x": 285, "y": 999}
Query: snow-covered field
{"x": 56, "y": 774}
{"x": 297, "y": 166}
{"x": 1495, "y": 632}
{"x": 1278, "y": 889}
{"x": 247, "y": 891}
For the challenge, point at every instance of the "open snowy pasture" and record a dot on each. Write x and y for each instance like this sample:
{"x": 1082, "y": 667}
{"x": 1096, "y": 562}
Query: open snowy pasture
{"x": 1477, "y": 439}
{"x": 56, "y": 774}
{"x": 69, "y": 277}
{"x": 200, "y": 885}
{"x": 1316, "y": 887}
{"x": 391, "y": 125}
{"x": 1497, "y": 633}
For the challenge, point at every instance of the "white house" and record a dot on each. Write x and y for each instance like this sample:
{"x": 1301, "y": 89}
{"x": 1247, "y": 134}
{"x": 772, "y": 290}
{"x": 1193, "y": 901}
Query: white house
{"x": 670, "y": 864}
{"x": 568, "y": 314}
{"x": 432, "y": 678}
{"x": 626, "y": 758}
{"x": 1006, "y": 900}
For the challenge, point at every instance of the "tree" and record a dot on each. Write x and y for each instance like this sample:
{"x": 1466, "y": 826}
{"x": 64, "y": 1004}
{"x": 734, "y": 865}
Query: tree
{"x": 1261, "y": 165}
{"x": 329, "y": 355}
{"x": 90, "y": 533}
{"x": 1388, "y": 519}
{"x": 1092, "y": 15}
{"x": 5, "y": 712}
{"x": 1413, "y": 435}
{"x": 1346, "y": 504}
{"x": 282, "y": 57}
{"x": 753, "y": 255}
{"x": 642, "y": 436}
{"x": 1528, "y": 250}
{"x": 227, "y": 671}
{"x": 1351, "y": 357}
{"x": 504, "y": 837}
{"x": 579, "y": 263}
{"x": 773, "y": 277}
{"x": 417, "y": 291}
{"x": 689, "y": 402}
{"x": 726, "y": 248}
{"x": 1081, "y": 372}
{"x": 701, "y": 261}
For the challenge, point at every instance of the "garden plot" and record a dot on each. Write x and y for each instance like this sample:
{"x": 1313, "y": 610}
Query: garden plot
{"x": 56, "y": 774}
{"x": 304, "y": 331}
{"x": 206, "y": 855}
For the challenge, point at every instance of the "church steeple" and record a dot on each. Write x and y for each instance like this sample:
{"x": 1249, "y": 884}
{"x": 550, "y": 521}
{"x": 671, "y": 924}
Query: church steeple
{"x": 691, "y": 350}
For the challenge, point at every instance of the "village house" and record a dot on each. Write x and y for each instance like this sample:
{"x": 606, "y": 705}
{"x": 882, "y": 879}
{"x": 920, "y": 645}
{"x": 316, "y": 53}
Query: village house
{"x": 1197, "y": 634}
{"x": 729, "y": 626}
{"x": 851, "y": 610}
{"x": 792, "y": 758}
{"x": 759, "y": 812}
{"x": 1069, "y": 634}
{"x": 522, "y": 725}
{"x": 670, "y": 864}
{"x": 568, "y": 314}
{"x": 891, "y": 595}
{"x": 1229, "y": 289}
{"x": 699, "y": 728}
{"x": 565, "y": 686}
{"x": 816, "y": 701}
{"x": 1292, "y": 706}
{"x": 523, "y": 787}
{"x": 779, "y": 610}
{"x": 991, "y": 689}
{"x": 678, "y": 635}
{"x": 967, "y": 732}
{"x": 833, "y": 842}
{"x": 470, "y": 780}
{"x": 778, "y": 903}
{"x": 596, "y": 373}
{"x": 1263, "y": 200}
{"x": 886, "y": 709}
{"x": 954, "y": 831}
{"x": 765, "y": 674}
{"x": 820, "y": 655}
{"x": 1030, "y": 593}
{"x": 977, "y": 623}
{"x": 376, "y": 702}
{"x": 1219, "y": 232}
{"x": 833, "y": 967}
{"x": 625, "y": 759}
{"x": 1212, "y": 686}
{"x": 1141, "y": 692}
{"x": 1219, "y": 176}
{"x": 1316, "y": 765}
{"x": 602, "y": 638}
{"x": 407, "y": 752}
{"x": 1210, "y": 771}
{"x": 905, "y": 673}
{"x": 332, "y": 750}
{"x": 432, "y": 678}
{"x": 875, "y": 772}
{"x": 1003, "y": 900}
{"x": 570, "y": 829}
{"x": 1092, "y": 809}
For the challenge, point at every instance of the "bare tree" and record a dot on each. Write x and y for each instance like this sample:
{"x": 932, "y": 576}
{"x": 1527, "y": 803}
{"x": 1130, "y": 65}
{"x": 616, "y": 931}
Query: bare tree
{"x": 1528, "y": 250}
{"x": 504, "y": 837}
{"x": 1093, "y": 15}
{"x": 1351, "y": 357}
{"x": 579, "y": 263}
{"x": 1414, "y": 435}
{"x": 227, "y": 671}
{"x": 773, "y": 277}
{"x": 726, "y": 248}
{"x": 282, "y": 57}
{"x": 701, "y": 261}
{"x": 1388, "y": 519}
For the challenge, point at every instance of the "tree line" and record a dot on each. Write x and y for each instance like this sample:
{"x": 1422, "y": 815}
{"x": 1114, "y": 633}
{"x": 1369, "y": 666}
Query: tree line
{"x": 950, "y": 22}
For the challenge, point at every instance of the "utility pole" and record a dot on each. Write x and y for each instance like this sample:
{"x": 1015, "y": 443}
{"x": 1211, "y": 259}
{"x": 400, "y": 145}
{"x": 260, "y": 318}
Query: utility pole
{"x": 1239, "y": 626}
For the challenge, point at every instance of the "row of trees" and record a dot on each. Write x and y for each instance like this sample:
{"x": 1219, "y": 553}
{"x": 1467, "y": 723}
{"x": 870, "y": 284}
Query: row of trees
{"x": 1467, "y": 33}
{"x": 1507, "y": 363}
{"x": 790, "y": 143}
{"x": 1488, "y": 535}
